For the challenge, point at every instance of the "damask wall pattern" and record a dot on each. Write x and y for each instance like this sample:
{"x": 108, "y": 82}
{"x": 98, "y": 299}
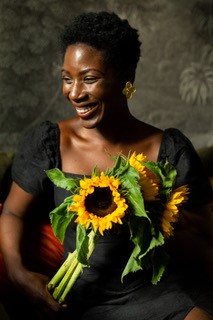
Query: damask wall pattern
{"x": 174, "y": 79}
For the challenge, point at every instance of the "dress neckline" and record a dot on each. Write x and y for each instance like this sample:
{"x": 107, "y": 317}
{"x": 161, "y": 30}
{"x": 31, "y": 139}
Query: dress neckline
{"x": 80, "y": 176}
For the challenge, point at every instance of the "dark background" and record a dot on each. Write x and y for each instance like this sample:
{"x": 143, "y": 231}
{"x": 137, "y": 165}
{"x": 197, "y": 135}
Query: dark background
{"x": 174, "y": 78}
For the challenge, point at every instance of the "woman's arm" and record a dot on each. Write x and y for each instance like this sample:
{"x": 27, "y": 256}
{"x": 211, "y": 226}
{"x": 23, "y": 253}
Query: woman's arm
{"x": 11, "y": 226}
{"x": 12, "y": 222}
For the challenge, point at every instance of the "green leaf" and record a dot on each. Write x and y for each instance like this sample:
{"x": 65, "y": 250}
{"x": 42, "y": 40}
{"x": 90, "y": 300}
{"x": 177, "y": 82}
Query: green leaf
{"x": 85, "y": 244}
{"x": 129, "y": 182}
{"x": 145, "y": 242}
{"x": 132, "y": 264}
{"x": 140, "y": 236}
{"x": 59, "y": 179}
{"x": 155, "y": 242}
{"x": 166, "y": 173}
{"x": 95, "y": 171}
{"x": 60, "y": 218}
{"x": 140, "y": 232}
{"x": 120, "y": 166}
{"x": 82, "y": 244}
{"x": 129, "y": 177}
{"x": 170, "y": 174}
{"x": 159, "y": 259}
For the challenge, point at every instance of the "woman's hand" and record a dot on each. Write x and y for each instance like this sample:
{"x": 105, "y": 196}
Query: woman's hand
{"x": 34, "y": 287}
{"x": 30, "y": 284}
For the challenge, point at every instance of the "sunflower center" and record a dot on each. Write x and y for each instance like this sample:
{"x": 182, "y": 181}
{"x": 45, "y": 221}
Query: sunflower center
{"x": 100, "y": 202}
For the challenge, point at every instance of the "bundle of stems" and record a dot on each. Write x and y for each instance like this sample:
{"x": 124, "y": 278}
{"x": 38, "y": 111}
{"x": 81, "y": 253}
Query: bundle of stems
{"x": 66, "y": 276}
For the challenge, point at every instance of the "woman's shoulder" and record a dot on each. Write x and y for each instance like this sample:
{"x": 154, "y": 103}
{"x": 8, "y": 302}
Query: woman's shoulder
{"x": 39, "y": 151}
{"x": 175, "y": 134}
{"x": 178, "y": 149}
{"x": 173, "y": 141}
{"x": 42, "y": 135}
{"x": 43, "y": 129}
{"x": 40, "y": 142}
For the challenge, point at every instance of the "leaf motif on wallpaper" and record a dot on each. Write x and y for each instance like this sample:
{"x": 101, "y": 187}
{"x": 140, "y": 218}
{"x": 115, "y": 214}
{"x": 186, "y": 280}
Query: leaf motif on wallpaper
{"x": 196, "y": 83}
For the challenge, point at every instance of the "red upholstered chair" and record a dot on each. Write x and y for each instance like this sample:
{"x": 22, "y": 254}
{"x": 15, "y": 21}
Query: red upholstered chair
{"x": 42, "y": 250}
{"x": 42, "y": 253}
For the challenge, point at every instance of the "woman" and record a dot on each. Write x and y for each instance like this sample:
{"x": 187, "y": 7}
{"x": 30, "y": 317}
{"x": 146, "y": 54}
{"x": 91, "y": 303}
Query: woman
{"x": 101, "y": 53}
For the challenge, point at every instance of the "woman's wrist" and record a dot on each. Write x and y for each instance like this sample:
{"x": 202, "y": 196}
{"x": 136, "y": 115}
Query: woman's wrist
{"x": 15, "y": 270}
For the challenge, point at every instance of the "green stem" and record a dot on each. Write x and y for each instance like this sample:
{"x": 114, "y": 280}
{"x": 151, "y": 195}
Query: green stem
{"x": 92, "y": 242}
{"x": 68, "y": 273}
{"x": 71, "y": 282}
{"x": 62, "y": 270}
{"x": 62, "y": 285}
{"x": 79, "y": 267}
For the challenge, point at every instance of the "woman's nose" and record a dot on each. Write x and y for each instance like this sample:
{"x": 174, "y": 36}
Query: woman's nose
{"x": 76, "y": 91}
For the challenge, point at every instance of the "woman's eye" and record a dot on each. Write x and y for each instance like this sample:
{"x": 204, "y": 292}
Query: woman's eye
{"x": 90, "y": 79}
{"x": 67, "y": 80}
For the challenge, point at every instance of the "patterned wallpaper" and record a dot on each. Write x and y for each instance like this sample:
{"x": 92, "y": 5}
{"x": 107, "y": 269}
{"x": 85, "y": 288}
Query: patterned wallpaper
{"x": 174, "y": 78}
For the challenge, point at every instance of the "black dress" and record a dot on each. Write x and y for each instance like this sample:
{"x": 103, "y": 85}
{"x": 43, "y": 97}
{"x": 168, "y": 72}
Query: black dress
{"x": 99, "y": 293}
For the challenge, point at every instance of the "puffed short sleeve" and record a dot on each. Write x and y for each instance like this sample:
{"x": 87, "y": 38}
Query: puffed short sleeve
{"x": 39, "y": 152}
{"x": 179, "y": 151}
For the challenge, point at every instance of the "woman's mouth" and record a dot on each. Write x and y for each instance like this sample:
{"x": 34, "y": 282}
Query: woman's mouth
{"x": 86, "y": 111}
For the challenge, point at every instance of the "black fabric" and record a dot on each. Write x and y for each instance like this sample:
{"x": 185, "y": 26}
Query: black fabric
{"x": 179, "y": 151}
{"x": 99, "y": 293}
{"x": 39, "y": 152}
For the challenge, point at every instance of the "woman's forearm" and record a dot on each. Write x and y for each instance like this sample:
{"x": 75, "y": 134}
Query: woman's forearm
{"x": 11, "y": 229}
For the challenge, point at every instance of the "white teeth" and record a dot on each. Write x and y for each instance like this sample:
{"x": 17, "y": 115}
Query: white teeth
{"x": 84, "y": 110}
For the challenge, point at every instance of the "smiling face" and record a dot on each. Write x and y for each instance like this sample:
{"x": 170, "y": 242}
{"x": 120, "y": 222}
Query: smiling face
{"x": 91, "y": 85}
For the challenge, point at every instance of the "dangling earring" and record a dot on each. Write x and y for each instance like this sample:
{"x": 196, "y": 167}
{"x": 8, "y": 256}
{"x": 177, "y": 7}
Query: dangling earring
{"x": 128, "y": 90}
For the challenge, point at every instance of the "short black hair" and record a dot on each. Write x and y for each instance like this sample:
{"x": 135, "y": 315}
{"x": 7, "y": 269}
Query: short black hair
{"x": 108, "y": 32}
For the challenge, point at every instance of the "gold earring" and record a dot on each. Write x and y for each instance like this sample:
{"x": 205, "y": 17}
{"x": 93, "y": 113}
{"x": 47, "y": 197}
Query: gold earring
{"x": 129, "y": 90}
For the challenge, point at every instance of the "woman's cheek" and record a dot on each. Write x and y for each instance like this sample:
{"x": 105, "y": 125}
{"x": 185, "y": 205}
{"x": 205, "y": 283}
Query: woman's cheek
{"x": 65, "y": 90}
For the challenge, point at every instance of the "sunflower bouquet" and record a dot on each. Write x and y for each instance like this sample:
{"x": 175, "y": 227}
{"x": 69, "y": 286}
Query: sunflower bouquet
{"x": 139, "y": 192}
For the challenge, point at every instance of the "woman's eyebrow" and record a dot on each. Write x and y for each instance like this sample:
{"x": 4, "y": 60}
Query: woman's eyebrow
{"x": 85, "y": 71}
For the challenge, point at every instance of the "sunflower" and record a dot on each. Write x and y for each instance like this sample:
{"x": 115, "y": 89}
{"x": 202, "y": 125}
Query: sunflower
{"x": 143, "y": 189}
{"x": 99, "y": 203}
{"x": 148, "y": 181}
{"x": 171, "y": 210}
